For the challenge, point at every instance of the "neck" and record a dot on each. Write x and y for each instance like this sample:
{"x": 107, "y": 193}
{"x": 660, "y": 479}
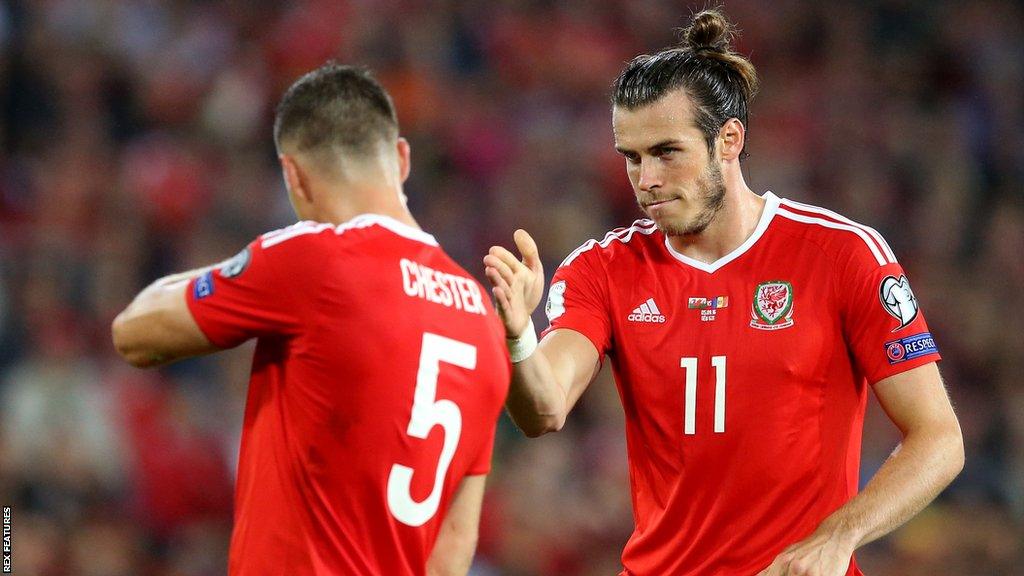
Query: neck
{"x": 382, "y": 203}
{"x": 732, "y": 225}
{"x": 345, "y": 201}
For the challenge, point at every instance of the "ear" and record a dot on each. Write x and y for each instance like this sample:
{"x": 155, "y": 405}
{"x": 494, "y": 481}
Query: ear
{"x": 731, "y": 138}
{"x": 404, "y": 158}
{"x": 295, "y": 178}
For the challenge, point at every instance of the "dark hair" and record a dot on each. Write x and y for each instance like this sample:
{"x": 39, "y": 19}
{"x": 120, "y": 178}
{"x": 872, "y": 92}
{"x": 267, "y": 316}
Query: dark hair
{"x": 335, "y": 106}
{"x": 720, "y": 82}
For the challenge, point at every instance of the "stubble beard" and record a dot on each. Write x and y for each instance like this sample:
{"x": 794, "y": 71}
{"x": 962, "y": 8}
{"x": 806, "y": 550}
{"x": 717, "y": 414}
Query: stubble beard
{"x": 711, "y": 186}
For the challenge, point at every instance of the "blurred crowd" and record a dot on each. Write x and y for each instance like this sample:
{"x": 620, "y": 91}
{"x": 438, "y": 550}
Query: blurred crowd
{"x": 135, "y": 141}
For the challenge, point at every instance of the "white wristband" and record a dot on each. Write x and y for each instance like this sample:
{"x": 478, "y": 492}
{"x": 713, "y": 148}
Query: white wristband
{"x": 522, "y": 347}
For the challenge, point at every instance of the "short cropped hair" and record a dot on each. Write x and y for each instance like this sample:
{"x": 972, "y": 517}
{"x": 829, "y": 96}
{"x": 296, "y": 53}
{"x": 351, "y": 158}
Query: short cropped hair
{"x": 335, "y": 107}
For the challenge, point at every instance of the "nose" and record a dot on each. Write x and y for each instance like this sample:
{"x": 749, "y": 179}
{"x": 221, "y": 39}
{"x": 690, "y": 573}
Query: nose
{"x": 650, "y": 176}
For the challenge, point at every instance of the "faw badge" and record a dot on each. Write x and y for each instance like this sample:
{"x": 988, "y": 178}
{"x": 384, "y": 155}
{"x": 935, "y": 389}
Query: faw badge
{"x": 773, "y": 306}
{"x": 898, "y": 300}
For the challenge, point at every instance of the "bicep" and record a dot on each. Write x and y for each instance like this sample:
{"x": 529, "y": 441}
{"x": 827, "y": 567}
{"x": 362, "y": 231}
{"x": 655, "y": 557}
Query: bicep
{"x": 464, "y": 513}
{"x": 916, "y": 400}
{"x": 456, "y": 540}
{"x": 158, "y": 328}
{"x": 574, "y": 361}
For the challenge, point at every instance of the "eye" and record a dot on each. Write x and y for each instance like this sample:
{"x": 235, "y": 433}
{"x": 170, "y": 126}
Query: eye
{"x": 631, "y": 157}
{"x": 665, "y": 151}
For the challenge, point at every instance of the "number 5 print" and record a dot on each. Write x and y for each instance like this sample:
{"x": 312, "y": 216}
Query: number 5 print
{"x": 427, "y": 412}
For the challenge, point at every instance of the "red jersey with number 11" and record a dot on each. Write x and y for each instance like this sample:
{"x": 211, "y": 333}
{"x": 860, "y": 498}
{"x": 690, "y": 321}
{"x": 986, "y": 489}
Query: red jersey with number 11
{"x": 379, "y": 373}
{"x": 743, "y": 381}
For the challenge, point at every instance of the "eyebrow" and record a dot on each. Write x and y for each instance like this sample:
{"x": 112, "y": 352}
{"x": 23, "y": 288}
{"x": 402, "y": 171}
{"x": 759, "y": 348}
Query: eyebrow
{"x": 661, "y": 144}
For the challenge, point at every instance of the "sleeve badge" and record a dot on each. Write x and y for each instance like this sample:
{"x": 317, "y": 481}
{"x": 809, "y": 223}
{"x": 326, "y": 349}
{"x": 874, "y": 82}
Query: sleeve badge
{"x": 898, "y": 300}
{"x": 555, "y": 306}
{"x": 237, "y": 264}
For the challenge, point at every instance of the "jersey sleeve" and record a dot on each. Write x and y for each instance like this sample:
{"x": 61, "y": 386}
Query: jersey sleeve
{"x": 252, "y": 294}
{"x": 884, "y": 328}
{"x": 578, "y": 300}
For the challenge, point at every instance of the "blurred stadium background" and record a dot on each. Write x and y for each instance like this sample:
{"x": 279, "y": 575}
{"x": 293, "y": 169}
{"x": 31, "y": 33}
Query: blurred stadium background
{"x": 136, "y": 141}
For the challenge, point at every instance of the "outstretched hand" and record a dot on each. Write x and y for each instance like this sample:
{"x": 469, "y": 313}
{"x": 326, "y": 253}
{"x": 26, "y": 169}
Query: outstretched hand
{"x": 517, "y": 285}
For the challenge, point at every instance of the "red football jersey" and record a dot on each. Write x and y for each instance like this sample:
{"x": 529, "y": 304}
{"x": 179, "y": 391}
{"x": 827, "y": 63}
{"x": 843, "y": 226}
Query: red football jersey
{"x": 379, "y": 374}
{"x": 743, "y": 381}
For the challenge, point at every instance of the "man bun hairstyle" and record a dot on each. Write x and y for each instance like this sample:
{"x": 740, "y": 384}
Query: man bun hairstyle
{"x": 719, "y": 82}
{"x": 335, "y": 108}
{"x": 709, "y": 30}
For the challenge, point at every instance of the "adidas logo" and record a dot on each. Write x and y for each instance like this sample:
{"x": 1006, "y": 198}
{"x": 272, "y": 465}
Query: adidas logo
{"x": 647, "y": 312}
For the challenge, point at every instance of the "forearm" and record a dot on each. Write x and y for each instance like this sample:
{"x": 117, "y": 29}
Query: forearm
{"x": 536, "y": 400}
{"x": 921, "y": 467}
{"x": 547, "y": 378}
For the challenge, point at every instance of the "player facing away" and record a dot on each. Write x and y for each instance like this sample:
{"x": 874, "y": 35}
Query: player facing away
{"x": 380, "y": 366}
{"x": 744, "y": 333}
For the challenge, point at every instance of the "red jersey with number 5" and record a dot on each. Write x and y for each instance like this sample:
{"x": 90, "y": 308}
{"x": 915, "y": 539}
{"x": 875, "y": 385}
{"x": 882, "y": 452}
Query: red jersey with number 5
{"x": 379, "y": 374}
{"x": 743, "y": 381}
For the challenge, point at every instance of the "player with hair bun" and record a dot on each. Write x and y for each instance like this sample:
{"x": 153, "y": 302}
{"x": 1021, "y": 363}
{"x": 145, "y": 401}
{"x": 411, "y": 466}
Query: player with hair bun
{"x": 744, "y": 332}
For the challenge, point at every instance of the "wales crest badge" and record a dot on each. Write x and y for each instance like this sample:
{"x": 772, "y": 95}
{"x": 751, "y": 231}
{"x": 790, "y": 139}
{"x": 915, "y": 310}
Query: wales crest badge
{"x": 773, "y": 306}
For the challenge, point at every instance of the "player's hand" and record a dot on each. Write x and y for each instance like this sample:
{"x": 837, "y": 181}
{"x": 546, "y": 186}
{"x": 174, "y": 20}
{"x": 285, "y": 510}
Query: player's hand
{"x": 820, "y": 554}
{"x": 517, "y": 285}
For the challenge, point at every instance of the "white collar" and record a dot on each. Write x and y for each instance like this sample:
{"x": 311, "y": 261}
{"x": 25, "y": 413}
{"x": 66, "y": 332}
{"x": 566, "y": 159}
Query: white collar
{"x": 400, "y": 228}
{"x": 771, "y": 206}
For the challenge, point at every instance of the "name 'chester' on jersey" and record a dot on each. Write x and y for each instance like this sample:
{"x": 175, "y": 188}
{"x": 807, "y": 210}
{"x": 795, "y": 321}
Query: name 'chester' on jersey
{"x": 439, "y": 287}
{"x": 367, "y": 408}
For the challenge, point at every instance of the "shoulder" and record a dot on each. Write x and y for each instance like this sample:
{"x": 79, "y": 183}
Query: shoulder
{"x": 298, "y": 236}
{"x": 304, "y": 237}
{"x": 634, "y": 238}
{"x": 840, "y": 237}
{"x": 377, "y": 225}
